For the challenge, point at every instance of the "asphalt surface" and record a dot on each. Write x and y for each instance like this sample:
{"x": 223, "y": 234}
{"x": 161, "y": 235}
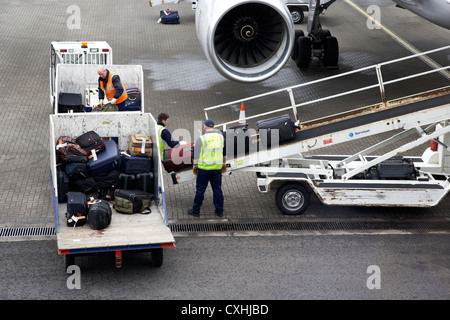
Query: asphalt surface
{"x": 259, "y": 269}
{"x": 180, "y": 81}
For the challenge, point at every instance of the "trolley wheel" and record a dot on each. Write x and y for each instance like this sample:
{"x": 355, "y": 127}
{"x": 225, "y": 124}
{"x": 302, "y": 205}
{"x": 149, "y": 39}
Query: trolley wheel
{"x": 69, "y": 260}
{"x": 157, "y": 257}
{"x": 292, "y": 199}
{"x": 331, "y": 52}
{"x": 303, "y": 52}
{"x": 297, "y": 14}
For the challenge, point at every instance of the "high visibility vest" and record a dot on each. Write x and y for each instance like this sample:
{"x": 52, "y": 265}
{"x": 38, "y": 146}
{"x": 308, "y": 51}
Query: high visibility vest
{"x": 109, "y": 91}
{"x": 162, "y": 143}
{"x": 211, "y": 155}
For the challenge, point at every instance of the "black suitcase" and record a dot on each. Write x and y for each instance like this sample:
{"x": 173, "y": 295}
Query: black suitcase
{"x": 99, "y": 214}
{"x": 145, "y": 182}
{"x": 76, "y": 209}
{"x": 134, "y": 165}
{"x": 70, "y": 102}
{"x": 107, "y": 160}
{"x": 284, "y": 125}
{"x": 238, "y": 141}
{"x": 63, "y": 184}
{"x": 127, "y": 181}
{"x": 90, "y": 141}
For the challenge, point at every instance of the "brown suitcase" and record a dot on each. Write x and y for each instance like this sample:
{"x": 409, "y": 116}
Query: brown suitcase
{"x": 140, "y": 145}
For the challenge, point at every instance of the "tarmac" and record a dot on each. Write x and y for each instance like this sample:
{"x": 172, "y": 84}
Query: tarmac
{"x": 181, "y": 82}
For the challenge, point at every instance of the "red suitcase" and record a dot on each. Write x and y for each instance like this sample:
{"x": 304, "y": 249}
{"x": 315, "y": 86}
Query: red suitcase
{"x": 177, "y": 158}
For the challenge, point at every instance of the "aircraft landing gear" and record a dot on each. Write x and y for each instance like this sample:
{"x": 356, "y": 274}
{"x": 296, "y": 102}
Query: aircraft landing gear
{"x": 319, "y": 43}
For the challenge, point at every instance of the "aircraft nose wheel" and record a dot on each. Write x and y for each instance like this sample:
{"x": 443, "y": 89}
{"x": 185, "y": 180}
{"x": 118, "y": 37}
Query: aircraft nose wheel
{"x": 292, "y": 199}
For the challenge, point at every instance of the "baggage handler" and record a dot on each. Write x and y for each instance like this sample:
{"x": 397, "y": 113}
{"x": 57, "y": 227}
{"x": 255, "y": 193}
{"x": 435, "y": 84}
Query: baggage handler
{"x": 209, "y": 164}
{"x": 164, "y": 135}
{"x": 111, "y": 88}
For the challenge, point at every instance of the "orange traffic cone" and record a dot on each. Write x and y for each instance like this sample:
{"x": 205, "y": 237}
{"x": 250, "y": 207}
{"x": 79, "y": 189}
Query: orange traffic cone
{"x": 242, "y": 115}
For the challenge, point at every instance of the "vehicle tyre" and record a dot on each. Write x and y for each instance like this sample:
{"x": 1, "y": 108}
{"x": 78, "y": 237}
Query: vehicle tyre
{"x": 297, "y": 14}
{"x": 331, "y": 52}
{"x": 157, "y": 257}
{"x": 69, "y": 260}
{"x": 298, "y": 33}
{"x": 303, "y": 52}
{"x": 292, "y": 199}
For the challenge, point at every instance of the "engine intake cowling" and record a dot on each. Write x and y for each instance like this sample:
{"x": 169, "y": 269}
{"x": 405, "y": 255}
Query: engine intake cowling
{"x": 246, "y": 41}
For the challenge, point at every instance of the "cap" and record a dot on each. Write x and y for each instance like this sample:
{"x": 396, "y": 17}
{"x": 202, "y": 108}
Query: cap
{"x": 209, "y": 123}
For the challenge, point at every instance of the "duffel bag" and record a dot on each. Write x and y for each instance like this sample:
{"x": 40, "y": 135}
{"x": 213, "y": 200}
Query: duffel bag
{"x": 132, "y": 201}
{"x": 68, "y": 150}
{"x": 99, "y": 214}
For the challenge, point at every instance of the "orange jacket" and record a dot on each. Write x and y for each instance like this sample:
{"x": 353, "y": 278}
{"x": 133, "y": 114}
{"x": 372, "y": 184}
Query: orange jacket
{"x": 109, "y": 91}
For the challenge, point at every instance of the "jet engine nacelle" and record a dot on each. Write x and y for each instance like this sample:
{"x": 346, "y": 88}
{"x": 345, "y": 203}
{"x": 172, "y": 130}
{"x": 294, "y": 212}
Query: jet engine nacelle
{"x": 245, "y": 40}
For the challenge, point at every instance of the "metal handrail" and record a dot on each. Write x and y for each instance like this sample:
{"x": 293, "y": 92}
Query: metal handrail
{"x": 294, "y": 105}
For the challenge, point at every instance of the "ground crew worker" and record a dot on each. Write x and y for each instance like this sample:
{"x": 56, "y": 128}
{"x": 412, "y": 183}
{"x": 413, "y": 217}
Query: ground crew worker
{"x": 164, "y": 135}
{"x": 111, "y": 88}
{"x": 209, "y": 164}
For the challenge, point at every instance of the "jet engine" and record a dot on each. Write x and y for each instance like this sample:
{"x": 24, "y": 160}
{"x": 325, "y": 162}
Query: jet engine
{"x": 245, "y": 40}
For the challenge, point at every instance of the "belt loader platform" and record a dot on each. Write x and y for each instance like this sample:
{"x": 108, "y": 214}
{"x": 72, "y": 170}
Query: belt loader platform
{"x": 354, "y": 179}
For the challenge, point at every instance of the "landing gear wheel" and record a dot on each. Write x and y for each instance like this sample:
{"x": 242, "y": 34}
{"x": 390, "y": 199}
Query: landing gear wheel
{"x": 331, "y": 52}
{"x": 303, "y": 52}
{"x": 297, "y": 34}
{"x": 157, "y": 257}
{"x": 297, "y": 15}
{"x": 292, "y": 199}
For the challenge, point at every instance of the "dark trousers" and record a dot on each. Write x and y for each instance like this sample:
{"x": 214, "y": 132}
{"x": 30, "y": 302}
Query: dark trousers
{"x": 215, "y": 178}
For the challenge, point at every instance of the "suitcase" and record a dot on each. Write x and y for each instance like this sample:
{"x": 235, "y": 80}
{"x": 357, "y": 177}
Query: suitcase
{"x": 140, "y": 145}
{"x": 133, "y": 165}
{"x": 237, "y": 141}
{"x": 106, "y": 160}
{"x": 133, "y": 102}
{"x": 76, "y": 209}
{"x": 70, "y": 102}
{"x": 99, "y": 214}
{"x": 145, "y": 182}
{"x": 167, "y": 12}
{"x": 127, "y": 181}
{"x": 284, "y": 125}
{"x": 172, "y": 18}
{"x": 91, "y": 141}
{"x": 63, "y": 185}
{"x": 177, "y": 158}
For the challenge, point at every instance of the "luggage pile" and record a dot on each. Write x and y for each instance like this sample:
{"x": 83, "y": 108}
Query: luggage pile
{"x": 91, "y": 171}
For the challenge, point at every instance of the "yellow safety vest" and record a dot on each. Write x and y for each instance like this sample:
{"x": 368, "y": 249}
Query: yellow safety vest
{"x": 109, "y": 91}
{"x": 162, "y": 143}
{"x": 211, "y": 155}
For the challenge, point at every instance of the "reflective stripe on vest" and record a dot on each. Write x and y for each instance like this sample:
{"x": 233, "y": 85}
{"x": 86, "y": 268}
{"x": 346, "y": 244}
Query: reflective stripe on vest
{"x": 162, "y": 143}
{"x": 110, "y": 91}
{"x": 211, "y": 156}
